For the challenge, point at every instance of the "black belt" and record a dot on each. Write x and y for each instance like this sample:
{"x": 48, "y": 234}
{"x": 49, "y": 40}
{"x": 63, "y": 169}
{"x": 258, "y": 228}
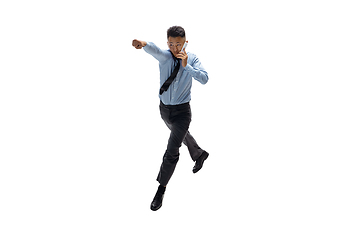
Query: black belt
{"x": 183, "y": 105}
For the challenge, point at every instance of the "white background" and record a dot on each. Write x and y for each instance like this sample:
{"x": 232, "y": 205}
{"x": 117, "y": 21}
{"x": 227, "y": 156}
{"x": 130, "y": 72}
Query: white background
{"x": 82, "y": 139}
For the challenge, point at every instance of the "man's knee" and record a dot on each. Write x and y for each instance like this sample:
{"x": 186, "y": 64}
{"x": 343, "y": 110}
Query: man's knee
{"x": 172, "y": 154}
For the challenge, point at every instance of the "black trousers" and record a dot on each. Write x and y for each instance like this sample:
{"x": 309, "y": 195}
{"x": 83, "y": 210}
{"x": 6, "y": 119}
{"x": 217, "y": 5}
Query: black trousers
{"x": 177, "y": 118}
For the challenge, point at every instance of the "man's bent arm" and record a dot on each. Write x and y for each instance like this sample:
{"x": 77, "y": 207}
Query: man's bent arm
{"x": 197, "y": 71}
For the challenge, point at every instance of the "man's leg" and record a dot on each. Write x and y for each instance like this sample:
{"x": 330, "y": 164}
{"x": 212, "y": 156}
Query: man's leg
{"x": 189, "y": 141}
{"x": 194, "y": 149}
{"x": 178, "y": 120}
{"x": 171, "y": 157}
{"x": 197, "y": 154}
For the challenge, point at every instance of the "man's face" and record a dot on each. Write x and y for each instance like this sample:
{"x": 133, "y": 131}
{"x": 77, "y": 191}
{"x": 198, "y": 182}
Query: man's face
{"x": 175, "y": 44}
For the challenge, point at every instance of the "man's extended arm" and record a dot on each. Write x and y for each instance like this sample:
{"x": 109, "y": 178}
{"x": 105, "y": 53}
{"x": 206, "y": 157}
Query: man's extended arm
{"x": 152, "y": 49}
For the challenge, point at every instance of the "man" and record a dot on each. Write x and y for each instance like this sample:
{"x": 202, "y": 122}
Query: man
{"x": 177, "y": 68}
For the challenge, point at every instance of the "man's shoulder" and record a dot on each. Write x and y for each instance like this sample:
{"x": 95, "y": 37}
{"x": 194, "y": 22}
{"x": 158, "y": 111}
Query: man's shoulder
{"x": 190, "y": 54}
{"x": 167, "y": 53}
{"x": 192, "y": 57}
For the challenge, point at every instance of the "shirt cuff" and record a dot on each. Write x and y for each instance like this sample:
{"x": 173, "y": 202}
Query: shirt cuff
{"x": 146, "y": 46}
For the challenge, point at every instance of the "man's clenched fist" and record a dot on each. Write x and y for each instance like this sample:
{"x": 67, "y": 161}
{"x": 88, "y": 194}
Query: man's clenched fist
{"x": 138, "y": 44}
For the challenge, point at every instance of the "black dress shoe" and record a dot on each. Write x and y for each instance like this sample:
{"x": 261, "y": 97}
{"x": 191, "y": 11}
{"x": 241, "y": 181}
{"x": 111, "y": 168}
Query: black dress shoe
{"x": 200, "y": 161}
{"x": 157, "y": 202}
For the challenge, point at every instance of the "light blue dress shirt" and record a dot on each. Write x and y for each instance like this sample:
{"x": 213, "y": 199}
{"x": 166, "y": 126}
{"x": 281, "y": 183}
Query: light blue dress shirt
{"x": 180, "y": 89}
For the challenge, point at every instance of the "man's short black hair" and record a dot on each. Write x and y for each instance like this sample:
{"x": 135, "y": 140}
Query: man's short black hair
{"x": 175, "y": 31}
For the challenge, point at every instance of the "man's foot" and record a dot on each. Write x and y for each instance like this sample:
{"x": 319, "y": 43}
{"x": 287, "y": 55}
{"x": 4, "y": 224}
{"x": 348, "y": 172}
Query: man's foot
{"x": 200, "y": 161}
{"x": 157, "y": 202}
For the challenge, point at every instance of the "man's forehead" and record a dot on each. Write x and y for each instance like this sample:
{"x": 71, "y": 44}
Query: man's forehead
{"x": 176, "y": 39}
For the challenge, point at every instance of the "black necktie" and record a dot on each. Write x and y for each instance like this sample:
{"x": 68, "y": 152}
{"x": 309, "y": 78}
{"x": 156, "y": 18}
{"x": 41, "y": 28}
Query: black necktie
{"x": 167, "y": 83}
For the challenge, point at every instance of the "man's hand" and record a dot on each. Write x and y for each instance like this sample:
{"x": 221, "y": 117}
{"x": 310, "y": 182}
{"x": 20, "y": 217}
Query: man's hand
{"x": 184, "y": 57}
{"x": 138, "y": 44}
